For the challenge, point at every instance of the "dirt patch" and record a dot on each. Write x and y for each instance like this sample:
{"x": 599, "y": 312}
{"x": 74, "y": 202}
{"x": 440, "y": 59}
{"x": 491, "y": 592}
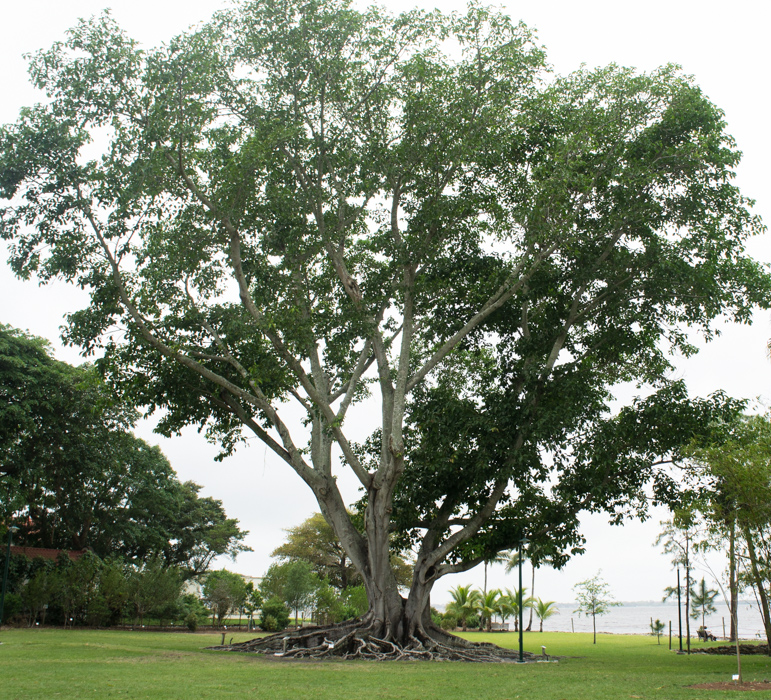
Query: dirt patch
{"x": 727, "y": 685}
{"x": 746, "y": 650}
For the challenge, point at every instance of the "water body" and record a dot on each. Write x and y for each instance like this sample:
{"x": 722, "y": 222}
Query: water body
{"x": 635, "y": 618}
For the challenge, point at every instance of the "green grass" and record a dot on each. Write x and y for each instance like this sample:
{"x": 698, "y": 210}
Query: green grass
{"x": 105, "y": 664}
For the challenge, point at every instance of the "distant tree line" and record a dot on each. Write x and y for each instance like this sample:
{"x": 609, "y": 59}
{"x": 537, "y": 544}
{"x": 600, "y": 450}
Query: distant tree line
{"x": 91, "y": 591}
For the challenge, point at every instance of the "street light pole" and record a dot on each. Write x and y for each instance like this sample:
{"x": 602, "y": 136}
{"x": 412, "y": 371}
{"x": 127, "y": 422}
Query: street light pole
{"x": 679, "y": 612}
{"x": 11, "y": 530}
{"x": 522, "y": 543}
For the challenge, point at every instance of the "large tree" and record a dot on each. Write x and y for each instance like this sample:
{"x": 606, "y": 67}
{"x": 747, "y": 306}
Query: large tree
{"x": 72, "y": 476}
{"x": 299, "y": 202}
{"x": 733, "y": 479}
{"x": 59, "y": 425}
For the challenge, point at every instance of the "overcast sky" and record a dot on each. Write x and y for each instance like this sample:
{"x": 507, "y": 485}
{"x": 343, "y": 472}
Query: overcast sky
{"x": 724, "y": 45}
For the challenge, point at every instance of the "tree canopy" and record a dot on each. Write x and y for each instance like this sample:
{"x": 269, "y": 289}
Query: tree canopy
{"x": 72, "y": 476}
{"x": 315, "y": 542}
{"x": 298, "y": 202}
{"x": 224, "y": 591}
{"x": 731, "y": 478}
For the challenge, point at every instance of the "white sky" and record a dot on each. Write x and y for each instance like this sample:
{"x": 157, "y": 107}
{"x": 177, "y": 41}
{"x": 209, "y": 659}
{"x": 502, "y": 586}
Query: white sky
{"x": 724, "y": 45}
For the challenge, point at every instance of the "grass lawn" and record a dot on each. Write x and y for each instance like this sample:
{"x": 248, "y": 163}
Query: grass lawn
{"x": 51, "y": 663}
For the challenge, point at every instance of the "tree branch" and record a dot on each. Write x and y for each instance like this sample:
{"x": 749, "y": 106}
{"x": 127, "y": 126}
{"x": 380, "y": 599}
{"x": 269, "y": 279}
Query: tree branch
{"x": 495, "y": 302}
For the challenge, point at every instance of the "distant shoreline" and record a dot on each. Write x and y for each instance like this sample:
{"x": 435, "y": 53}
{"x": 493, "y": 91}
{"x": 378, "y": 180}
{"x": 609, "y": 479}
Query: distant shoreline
{"x": 441, "y": 607}
{"x": 654, "y": 603}
{"x": 635, "y": 617}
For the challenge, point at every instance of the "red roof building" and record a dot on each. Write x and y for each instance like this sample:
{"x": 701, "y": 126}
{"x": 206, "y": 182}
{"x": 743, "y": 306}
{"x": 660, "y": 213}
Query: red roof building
{"x": 42, "y": 553}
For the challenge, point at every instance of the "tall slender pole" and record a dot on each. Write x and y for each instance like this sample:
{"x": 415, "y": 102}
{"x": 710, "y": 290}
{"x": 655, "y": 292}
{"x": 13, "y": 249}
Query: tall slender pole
{"x": 11, "y": 530}
{"x": 521, "y": 649}
{"x": 679, "y": 612}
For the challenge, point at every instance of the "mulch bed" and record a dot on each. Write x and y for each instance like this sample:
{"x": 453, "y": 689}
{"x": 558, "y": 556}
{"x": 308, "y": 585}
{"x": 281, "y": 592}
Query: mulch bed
{"x": 756, "y": 685}
{"x": 745, "y": 649}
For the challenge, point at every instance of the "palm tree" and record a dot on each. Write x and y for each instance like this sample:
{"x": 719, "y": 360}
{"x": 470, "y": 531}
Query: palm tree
{"x": 544, "y": 610}
{"x": 465, "y": 601}
{"x": 504, "y": 608}
{"x": 513, "y": 562}
{"x": 703, "y": 600}
{"x": 489, "y": 606}
{"x": 513, "y": 597}
{"x": 498, "y": 558}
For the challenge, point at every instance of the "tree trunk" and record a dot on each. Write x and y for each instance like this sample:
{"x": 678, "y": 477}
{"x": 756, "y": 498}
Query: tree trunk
{"x": 532, "y": 595}
{"x": 733, "y": 584}
{"x": 387, "y": 611}
{"x": 759, "y": 585}
{"x": 393, "y": 627}
{"x": 687, "y": 594}
{"x": 343, "y": 571}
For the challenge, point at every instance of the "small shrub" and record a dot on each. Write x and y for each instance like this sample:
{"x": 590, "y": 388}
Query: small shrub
{"x": 269, "y": 623}
{"x": 473, "y": 621}
{"x": 191, "y": 621}
{"x": 436, "y": 616}
{"x": 449, "y": 621}
{"x": 190, "y": 604}
{"x": 345, "y": 612}
{"x": 12, "y": 609}
{"x": 356, "y": 598}
{"x": 275, "y": 609}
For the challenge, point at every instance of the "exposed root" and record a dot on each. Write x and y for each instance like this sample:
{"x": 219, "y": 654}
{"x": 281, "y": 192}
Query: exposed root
{"x": 356, "y": 640}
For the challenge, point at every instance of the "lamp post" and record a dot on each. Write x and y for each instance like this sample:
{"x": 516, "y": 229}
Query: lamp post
{"x": 679, "y": 613}
{"x": 522, "y": 543}
{"x": 11, "y": 530}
